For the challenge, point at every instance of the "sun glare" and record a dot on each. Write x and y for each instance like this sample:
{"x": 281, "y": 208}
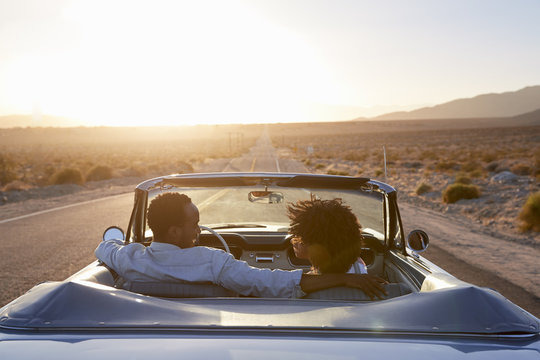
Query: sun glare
{"x": 173, "y": 68}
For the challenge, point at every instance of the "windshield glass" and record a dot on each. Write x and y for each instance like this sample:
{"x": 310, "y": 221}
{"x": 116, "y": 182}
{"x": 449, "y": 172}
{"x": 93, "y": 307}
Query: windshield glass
{"x": 249, "y": 206}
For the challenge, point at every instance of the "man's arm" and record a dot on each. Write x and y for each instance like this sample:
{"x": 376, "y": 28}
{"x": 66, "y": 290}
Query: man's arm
{"x": 106, "y": 252}
{"x": 371, "y": 285}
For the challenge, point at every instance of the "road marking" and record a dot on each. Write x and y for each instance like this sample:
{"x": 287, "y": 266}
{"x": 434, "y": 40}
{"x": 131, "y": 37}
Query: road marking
{"x": 277, "y": 165}
{"x": 253, "y": 164}
{"x": 212, "y": 199}
{"x": 61, "y": 208}
{"x": 228, "y": 165}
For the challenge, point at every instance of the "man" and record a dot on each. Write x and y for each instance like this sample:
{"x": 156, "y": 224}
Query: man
{"x": 173, "y": 256}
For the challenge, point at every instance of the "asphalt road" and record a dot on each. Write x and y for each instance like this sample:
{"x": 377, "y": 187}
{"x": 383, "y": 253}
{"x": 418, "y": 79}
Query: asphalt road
{"x": 53, "y": 245}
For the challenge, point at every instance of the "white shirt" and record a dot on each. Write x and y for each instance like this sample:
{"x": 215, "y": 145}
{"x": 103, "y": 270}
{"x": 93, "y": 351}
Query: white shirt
{"x": 359, "y": 267}
{"x": 162, "y": 262}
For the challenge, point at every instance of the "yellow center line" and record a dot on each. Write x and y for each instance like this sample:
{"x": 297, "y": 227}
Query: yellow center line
{"x": 253, "y": 165}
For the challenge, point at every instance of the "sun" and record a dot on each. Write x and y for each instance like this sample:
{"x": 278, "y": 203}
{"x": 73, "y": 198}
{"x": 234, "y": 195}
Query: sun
{"x": 231, "y": 67}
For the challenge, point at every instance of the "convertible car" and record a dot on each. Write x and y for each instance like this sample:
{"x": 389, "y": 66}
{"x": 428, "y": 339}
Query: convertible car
{"x": 428, "y": 313}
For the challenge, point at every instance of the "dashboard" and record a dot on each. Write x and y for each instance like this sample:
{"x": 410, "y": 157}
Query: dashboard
{"x": 270, "y": 250}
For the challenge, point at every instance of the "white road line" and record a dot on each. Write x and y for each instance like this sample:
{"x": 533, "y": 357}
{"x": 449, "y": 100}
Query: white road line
{"x": 277, "y": 165}
{"x": 60, "y": 208}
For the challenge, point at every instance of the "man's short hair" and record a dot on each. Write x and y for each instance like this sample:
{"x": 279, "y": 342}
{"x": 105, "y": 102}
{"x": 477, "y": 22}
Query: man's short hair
{"x": 331, "y": 230}
{"x": 166, "y": 210}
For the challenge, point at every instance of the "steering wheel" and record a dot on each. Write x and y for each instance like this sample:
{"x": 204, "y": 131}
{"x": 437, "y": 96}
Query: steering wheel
{"x": 218, "y": 236}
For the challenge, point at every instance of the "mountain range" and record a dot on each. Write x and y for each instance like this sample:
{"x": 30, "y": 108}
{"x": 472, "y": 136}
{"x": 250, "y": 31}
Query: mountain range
{"x": 11, "y": 121}
{"x": 516, "y": 108}
{"x": 507, "y": 104}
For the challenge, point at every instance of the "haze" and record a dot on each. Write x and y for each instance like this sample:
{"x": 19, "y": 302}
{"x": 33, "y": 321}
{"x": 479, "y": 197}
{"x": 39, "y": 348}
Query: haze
{"x": 252, "y": 61}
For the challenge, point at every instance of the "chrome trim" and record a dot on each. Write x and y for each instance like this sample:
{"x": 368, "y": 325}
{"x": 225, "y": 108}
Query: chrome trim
{"x": 267, "y": 331}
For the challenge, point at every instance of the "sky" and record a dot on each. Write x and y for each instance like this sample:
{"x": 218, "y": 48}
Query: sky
{"x": 155, "y": 62}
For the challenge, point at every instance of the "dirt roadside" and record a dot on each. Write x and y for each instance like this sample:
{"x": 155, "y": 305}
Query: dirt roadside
{"x": 478, "y": 276}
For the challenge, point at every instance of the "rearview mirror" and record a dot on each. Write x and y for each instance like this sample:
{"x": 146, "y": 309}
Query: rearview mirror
{"x": 265, "y": 197}
{"x": 418, "y": 241}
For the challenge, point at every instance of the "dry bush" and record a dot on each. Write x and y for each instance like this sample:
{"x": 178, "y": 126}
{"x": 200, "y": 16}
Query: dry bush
{"x": 478, "y": 173}
{"x": 521, "y": 169}
{"x": 489, "y": 157}
{"x": 16, "y": 185}
{"x": 7, "y": 166}
{"x": 456, "y": 192}
{"x": 359, "y": 156}
{"x": 133, "y": 171}
{"x": 67, "y": 176}
{"x": 99, "y": 172}
{"x": 492, "y": 166}
{"x": 338, "y": 172}
{"x": 423, "y": 188}
{"x": 183, "y": 167}
{"x": 445, "y": 166}
{"x": 462, "y": 179}
{"x": 412, "y": 165}
{"x": 471, "y": 166}
{"x": 530, "y": 214}
{"x": 428, "y": 155}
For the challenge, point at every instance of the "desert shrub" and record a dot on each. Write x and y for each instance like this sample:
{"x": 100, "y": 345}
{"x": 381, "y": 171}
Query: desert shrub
{"x": 16, "y": 185}
{"x": 319, "y": 166}
{"x": 337, "y": 172}
{"x": 134, "y": 171}
{"x": 379, "y": 172}
{"x": 423, "y": 188}
{"x": 99, "y": 172}
{"x": 530, "y": 214}
{"x": 492, "y": 166}
{"x": 521, "y": 169}
{"x": 355, "y": 156}
{"x": 478, "y": 173}
{"x": 445, "y": 166}
{"x": 7, "y": 169}
{"x": 428, "y": 155}
{"x": 470, "y": 166}
{"x": 489, "y": 157}
{"x": 307, "y": 162}
{"x": 455, "y": 192}
{"x": 413, "y": 165}
{"x": 183, "y": 167}
{"x": 67, "y": 176}
{"x": 462, "y": 179}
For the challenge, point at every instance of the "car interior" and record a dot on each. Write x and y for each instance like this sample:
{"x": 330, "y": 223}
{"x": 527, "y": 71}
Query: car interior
{"x": 263, "y": 250}
{"x": 263, "y": 245}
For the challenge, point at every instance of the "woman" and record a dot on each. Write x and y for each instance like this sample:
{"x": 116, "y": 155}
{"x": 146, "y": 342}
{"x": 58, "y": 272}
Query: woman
{"x": 328, "y": 234}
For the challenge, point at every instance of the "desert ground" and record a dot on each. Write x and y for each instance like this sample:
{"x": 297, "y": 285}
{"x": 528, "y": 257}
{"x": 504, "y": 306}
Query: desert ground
{"x": 502, "y": 161}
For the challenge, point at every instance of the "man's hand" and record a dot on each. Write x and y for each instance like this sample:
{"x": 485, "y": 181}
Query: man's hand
{"x": 370, "y": 284}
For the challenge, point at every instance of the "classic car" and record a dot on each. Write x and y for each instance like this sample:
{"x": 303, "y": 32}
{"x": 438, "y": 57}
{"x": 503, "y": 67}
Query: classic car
{"x": 427, "y": 313}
